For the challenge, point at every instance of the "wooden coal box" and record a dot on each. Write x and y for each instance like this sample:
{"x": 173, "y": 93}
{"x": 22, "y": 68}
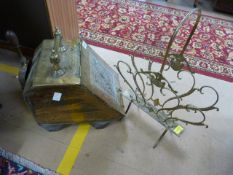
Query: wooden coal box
{"x": 87, "y": 91}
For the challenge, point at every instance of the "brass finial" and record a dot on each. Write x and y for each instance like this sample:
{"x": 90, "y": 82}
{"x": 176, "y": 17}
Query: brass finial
{"x": 58, "y": 46}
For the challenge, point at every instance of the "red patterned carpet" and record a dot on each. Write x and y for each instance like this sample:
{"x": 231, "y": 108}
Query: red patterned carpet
{"x": 144, "y": 29}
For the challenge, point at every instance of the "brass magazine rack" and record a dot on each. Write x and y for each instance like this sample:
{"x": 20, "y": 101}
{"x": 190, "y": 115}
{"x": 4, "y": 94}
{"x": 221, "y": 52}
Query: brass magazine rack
{"x": 153, "y": 92}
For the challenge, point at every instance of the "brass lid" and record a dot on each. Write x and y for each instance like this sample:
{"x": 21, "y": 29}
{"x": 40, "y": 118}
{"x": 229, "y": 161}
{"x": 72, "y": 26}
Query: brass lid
{"x": 42, "y": 73}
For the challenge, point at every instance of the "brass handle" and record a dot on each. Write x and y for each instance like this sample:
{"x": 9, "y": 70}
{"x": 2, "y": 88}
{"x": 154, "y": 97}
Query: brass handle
{"x": 57, "y": 40}
{"x": 172, "y": 39}
{"x": 57, "y": 50}
{"x": 54, "y": 60}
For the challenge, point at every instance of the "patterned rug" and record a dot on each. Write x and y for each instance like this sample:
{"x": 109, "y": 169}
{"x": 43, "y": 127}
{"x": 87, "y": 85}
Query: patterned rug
{"x": 11, "y": 164}
{"x": 144, "y": 29}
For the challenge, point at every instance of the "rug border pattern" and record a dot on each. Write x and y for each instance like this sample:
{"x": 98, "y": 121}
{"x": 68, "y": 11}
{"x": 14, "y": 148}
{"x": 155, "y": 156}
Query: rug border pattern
{"x": 224, "y": 72}
{"x": 26, "y": 163}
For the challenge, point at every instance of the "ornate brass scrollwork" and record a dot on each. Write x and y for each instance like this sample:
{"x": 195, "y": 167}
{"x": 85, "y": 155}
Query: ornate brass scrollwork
{"x": 144, "y": 79}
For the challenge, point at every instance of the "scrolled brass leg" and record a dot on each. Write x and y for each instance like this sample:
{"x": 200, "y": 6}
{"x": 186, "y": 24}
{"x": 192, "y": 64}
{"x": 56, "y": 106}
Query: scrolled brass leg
{"x": 160, "y": 138}
{"x": 128, "y": 107}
